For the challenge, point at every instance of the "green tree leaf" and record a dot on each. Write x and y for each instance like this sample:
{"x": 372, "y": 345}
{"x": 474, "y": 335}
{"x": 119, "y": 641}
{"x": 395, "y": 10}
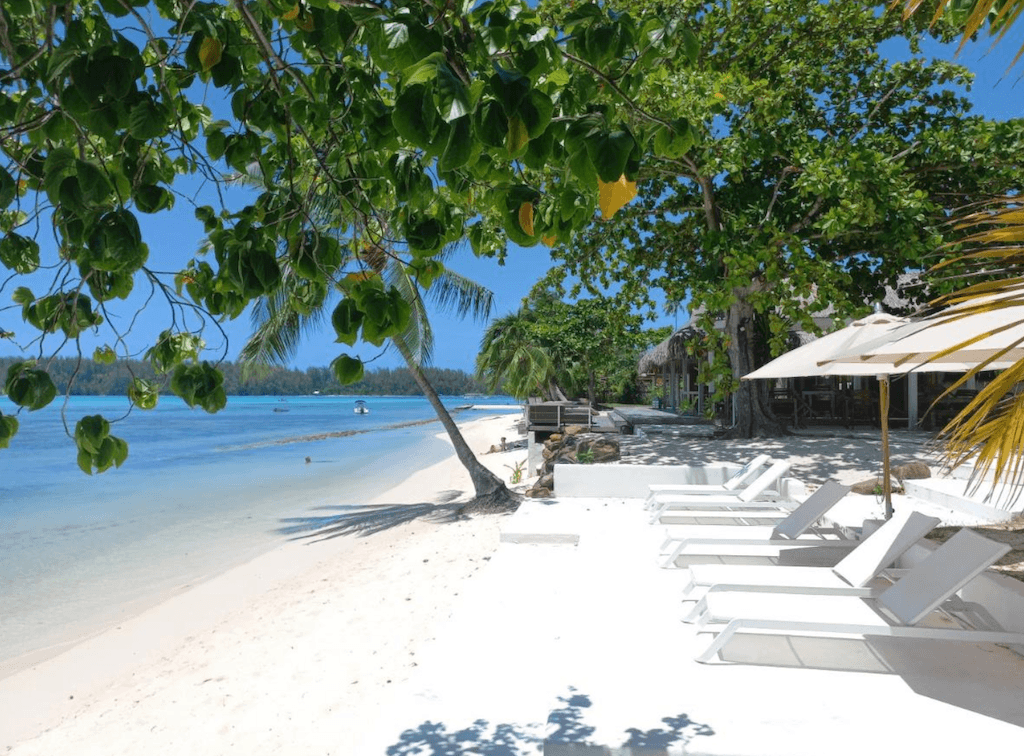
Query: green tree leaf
{"x": 143, "y": 394}
{"x": 19, "y": 253}
{"x": 347, "y": 370}
{"x": 8, "y": 189}
{"x": 8, "y": 428}
{"x": 29, "y": 387}
{"x": 346, "y": 319}
{"x": 459, "y": 148}
{"x": 609, "y": 152}
{"x": 414, "y": 115}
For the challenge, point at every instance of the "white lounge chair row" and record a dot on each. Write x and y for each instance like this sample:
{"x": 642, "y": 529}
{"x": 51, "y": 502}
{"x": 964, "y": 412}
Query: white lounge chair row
{"x": 859, "y": 595}
{"x": 745, "y": 491}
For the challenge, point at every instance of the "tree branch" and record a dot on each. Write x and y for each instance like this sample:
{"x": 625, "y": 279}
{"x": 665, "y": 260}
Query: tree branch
{"x": 787, "y": 171}
{"x": 616, "y": 88}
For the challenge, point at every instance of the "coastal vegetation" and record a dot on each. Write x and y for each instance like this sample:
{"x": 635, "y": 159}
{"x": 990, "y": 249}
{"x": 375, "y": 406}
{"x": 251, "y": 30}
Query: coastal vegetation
{"x": 89, "y": 378}
{"x": 552, "y": 348}
{"x": 828, "y": 154}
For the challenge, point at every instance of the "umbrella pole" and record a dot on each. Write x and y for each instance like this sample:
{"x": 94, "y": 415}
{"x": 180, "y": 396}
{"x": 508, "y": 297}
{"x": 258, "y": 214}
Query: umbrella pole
{"x": 883, "y": 408}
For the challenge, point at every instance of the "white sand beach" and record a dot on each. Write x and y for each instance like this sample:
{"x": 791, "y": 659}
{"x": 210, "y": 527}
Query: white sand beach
{"x": 284, "y": 654}
{"x": 430, "y": 638}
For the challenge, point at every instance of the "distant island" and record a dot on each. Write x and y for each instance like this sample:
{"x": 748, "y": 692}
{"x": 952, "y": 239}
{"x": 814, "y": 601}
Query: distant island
{"x": 94, "y": 379}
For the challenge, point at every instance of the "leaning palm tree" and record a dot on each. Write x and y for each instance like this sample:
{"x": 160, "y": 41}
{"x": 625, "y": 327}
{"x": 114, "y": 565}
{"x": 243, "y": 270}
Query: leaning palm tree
{"x": 279, "y": 327}
{"x": 988, "y": 430}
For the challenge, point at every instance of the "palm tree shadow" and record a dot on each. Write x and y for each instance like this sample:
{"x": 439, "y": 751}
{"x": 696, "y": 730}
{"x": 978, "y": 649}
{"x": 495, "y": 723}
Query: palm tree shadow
{"x": 367, "y": 519}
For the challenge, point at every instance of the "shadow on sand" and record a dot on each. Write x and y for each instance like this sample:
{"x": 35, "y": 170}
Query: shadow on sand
{"x": 567, "y": 733}
{"x": 367, "y": 519}
{"x": 982, "y": 678}
{"x": 850, "y": 454}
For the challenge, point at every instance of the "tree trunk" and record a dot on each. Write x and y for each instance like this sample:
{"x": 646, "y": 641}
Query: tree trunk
{"x": 754, "y": 416}
{"x": 592, "y": 388}
{"x": 555, "y": 394}
{"x": 490, "y": 492}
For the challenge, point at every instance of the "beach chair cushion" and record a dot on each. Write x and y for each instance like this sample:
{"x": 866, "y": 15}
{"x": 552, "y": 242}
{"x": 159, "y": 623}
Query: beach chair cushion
{"x": 883, "y": 547}
{"x": 942, "y": 573}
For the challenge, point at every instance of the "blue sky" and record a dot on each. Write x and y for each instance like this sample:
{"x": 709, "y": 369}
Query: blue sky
{"x": 174, "y": 237}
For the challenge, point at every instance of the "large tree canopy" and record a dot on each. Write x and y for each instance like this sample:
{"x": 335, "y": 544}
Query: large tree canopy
{"x": 420, "y": 117}
{"x": 819, "y": 172}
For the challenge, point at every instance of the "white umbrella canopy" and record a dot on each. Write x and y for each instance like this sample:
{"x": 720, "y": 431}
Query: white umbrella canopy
{"x": 864, "y": 347}
{"x": 814, "y": 358}
{"x": 951, "y": 340}
{"x": 983, "y": 333}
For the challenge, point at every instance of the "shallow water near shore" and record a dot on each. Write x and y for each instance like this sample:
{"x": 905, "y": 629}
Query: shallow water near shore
{"x": 198, "y": 494}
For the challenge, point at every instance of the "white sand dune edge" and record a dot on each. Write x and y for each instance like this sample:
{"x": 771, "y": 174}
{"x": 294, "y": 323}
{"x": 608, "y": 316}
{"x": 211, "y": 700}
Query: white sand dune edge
{"x": 289, "y": 653}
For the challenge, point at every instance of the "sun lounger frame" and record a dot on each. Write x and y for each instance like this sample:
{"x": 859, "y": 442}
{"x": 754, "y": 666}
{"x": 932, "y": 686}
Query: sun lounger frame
{"x": 901, "y": 606}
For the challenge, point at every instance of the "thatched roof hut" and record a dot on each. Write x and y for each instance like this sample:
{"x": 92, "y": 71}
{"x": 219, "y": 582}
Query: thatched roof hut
{"x": 671, "y": 349}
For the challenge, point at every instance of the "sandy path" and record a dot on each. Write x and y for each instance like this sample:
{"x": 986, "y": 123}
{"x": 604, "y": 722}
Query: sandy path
{"x": 290, "y": 653}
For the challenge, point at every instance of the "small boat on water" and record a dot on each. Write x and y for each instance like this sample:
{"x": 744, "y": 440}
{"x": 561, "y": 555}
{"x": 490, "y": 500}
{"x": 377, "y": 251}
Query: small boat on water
{"x": 361, "y": 408}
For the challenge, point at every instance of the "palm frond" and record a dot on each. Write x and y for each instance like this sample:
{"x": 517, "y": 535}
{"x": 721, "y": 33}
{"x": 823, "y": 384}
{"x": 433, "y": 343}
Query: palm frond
{"x": 279, "y": 328}
{"x": 454, "y": 293}
{"x": 999, "y": 15}
{"x": 417, "y": 340}
{"x": 989, "y": 431}
{"x": 510, "y": 358}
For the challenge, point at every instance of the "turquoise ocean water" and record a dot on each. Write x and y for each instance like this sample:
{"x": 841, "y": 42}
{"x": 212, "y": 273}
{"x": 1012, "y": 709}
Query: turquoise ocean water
{"x": 198, "y": 494}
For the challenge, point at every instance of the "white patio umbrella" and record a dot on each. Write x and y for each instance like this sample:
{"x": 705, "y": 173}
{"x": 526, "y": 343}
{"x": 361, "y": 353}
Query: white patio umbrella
{"x": 951, "y": 339}
{"x": 813, "y": 359}
{"x": 840, "y": 353}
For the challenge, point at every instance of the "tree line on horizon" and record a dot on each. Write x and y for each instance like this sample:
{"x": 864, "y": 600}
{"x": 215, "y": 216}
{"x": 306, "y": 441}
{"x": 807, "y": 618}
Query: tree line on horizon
{"x": 91, "y": 378}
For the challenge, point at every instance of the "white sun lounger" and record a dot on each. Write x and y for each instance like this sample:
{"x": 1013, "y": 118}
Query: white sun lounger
{"x": 898, "y": 611}
{"x": 788, "y": 532}
{"x": 736, "y": 482}
{"x": 747, "y": 498}
{"x": 859, "y": 568}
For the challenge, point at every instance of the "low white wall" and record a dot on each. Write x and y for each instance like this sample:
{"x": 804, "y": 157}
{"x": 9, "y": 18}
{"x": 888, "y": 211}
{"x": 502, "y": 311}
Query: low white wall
{"x": 633, "y": 481}
{"x": 947, "y": 494}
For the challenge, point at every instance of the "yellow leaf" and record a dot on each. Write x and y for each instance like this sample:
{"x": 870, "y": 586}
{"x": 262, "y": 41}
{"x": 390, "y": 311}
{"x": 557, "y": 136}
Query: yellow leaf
{"x": 614, "y": 195}
{"x": 292, "y": 14}
{"x": 526, "y": 218}
{"x": 518, "y": 136}
{"x": 549, "y": 241}
{"x": 209, "y": 53}
{"x": 353, "y": 278}
{"x": 306, "y": 23}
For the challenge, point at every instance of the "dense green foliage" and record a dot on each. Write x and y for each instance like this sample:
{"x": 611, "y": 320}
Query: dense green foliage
{"x": 89, "y": 378}
{"x": 588, "y": 347}
{"x": 819, "y": 172}
{"x": 422, "y": 116}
